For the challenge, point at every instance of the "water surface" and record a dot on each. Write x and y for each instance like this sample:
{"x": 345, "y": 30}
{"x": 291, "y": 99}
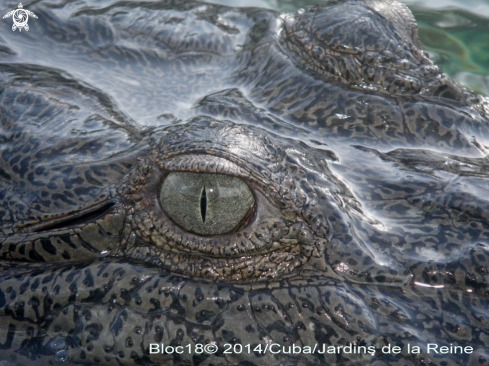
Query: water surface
{"x": 455, "y": 33}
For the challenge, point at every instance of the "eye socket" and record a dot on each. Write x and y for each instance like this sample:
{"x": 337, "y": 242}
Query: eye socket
{"x": 206, "y": 204}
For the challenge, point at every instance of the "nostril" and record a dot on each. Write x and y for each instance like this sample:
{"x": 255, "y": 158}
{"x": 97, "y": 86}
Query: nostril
{"x": 203, "y": 204}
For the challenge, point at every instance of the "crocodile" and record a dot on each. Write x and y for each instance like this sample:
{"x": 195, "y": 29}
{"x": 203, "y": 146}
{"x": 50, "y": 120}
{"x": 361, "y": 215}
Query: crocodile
{"x": 193, "y": 184}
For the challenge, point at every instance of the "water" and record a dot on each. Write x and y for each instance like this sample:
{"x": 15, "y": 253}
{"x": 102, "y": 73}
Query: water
{"x": 454, "y": 33}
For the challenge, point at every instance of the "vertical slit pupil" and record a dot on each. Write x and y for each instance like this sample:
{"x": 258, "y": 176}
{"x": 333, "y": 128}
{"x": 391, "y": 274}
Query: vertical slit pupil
{"x": 203, "y": 204}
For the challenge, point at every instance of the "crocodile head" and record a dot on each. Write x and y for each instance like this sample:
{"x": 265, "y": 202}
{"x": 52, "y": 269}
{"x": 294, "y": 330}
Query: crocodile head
{"x": 320, "y": 197}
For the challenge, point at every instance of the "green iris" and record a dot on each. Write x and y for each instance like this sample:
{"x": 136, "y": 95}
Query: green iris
{"x": 206, "y": 204}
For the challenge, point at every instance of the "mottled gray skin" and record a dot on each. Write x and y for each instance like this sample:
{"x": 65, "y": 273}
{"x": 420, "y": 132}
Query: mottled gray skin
{"x": 367, "y": 164}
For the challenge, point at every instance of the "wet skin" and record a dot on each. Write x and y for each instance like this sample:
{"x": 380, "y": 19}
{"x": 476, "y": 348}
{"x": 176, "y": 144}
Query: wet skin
{"x": 185, "y": 173}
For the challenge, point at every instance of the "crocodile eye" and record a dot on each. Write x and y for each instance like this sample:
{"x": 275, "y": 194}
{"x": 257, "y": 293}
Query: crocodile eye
{"x": 206, "y": 204}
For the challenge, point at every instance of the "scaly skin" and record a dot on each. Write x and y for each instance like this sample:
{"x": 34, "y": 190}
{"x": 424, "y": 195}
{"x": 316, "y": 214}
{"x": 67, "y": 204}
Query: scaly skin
{"x": 367, "y": 166}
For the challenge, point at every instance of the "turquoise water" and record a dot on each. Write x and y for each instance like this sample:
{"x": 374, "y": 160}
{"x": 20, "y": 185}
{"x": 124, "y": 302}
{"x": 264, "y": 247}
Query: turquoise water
{"x": 454, "y": 33}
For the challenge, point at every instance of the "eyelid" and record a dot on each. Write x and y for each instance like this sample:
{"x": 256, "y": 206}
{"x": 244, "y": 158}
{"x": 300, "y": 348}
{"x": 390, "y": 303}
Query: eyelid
{"x": 200, "y": 163}
{"x": 203, "y": 163}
